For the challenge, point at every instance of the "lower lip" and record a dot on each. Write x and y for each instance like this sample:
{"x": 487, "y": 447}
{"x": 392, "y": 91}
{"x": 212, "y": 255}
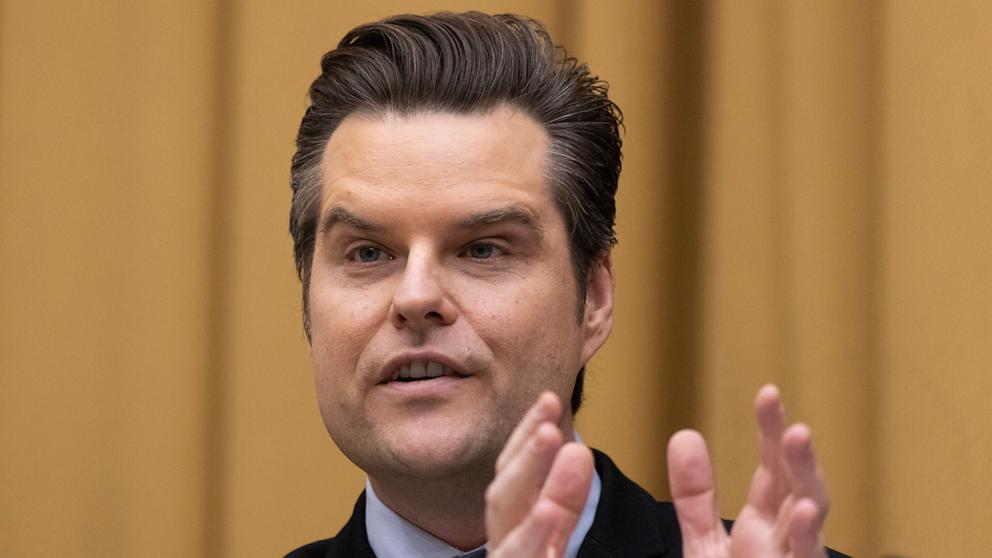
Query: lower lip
{"x": 424, "y": 388}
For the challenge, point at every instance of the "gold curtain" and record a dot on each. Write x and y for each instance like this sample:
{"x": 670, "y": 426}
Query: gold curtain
{"x": 805, "y": 199}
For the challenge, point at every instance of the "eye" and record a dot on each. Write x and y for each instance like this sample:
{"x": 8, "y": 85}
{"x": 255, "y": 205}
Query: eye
{"x": 481, "y": 251}
{"x": 368, "y": 254}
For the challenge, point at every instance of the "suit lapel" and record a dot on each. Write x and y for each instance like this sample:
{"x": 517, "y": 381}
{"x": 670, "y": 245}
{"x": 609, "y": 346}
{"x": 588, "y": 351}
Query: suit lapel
{"x": 352, "y": 541}
{"x": 629, "y": 522}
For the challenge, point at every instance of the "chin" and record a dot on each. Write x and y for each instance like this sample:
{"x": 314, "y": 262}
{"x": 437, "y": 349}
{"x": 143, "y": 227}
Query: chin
{"x": 427, "y": 453}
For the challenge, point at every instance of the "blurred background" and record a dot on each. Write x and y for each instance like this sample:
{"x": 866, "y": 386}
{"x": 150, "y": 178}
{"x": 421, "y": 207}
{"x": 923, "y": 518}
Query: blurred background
{"x": 806, "y": 199}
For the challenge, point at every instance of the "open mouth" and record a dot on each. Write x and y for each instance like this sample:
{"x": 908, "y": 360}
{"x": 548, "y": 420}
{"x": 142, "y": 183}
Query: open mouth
{"x": 422, "y": 370}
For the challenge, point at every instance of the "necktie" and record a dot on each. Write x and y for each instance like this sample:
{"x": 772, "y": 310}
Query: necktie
{"x": 478, "y": 553}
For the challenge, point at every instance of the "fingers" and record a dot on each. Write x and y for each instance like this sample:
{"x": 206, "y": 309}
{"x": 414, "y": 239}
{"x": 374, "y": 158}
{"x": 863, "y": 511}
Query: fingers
{"x": 769, "y": 485}
{"x": 514, "y": 491}
{"x": 547, "y": 408}
{"x": 544, "y": 529}
{"x": 788, "y": 466}
{"x": 523, "y": 466}
{"x": 690, "y": 478}
{"x": 771, "y": 422}
{"x": 788, "y": 488}
{"x": 531, "y": 538}
{"x": 804, "y": 530}
{"x": 804, "y": 476}
{"x": 570, "y": 477}
{"x": 787, "y": 503}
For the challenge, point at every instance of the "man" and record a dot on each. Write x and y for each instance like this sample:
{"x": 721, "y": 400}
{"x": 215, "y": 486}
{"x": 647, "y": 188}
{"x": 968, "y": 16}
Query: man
{"x": 453, "y": 209}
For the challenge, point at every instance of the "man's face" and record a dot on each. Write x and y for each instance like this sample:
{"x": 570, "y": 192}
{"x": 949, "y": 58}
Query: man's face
{"x": 440, "y": 252}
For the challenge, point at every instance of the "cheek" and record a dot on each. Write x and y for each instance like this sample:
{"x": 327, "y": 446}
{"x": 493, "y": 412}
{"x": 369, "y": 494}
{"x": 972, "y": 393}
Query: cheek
{"x": 339, "y": 308}
{"x": 532, "y": 326}
{"x": 342, "y": 323}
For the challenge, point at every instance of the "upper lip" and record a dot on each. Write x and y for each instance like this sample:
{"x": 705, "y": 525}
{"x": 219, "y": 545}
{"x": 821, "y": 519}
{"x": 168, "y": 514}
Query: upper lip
{"x": 393, "y": 364}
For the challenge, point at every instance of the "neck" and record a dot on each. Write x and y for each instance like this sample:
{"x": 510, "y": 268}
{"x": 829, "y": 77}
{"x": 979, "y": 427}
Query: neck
{"x": 453, "y": 509}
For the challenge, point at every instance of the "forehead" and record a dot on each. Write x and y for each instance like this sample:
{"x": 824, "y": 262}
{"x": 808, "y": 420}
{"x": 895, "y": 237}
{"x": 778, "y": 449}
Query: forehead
{"x": 430, "y": 156}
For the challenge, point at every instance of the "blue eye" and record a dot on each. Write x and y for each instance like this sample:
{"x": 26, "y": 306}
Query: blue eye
{"x": 481, "y": 251}
{"x": 368, "y": 254}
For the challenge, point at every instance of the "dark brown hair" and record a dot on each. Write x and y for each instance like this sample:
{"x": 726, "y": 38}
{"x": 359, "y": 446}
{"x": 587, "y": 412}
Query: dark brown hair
{"x": 469, "y": 63}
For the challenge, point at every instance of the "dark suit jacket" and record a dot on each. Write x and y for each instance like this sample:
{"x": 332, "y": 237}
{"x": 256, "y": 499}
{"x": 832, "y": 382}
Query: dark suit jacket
{"x": 629, "y": 524}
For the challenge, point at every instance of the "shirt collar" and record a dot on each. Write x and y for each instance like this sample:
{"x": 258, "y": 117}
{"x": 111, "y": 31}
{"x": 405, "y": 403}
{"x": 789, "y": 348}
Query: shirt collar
{"x": 391, "y": 536}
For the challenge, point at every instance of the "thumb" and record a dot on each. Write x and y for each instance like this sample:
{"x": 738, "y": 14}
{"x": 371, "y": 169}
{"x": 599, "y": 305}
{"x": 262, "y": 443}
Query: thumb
{"x": 690, "y": 479}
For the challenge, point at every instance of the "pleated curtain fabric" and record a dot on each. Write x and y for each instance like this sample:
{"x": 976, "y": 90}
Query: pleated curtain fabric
{"x": 804, "y": 200}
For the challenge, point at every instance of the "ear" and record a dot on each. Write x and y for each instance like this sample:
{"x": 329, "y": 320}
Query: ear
{"x": 597, "y": 320}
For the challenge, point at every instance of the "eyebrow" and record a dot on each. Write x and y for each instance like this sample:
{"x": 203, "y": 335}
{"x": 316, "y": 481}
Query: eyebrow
{"x": 510, "y": 213}
{"x": 338, "y": 214}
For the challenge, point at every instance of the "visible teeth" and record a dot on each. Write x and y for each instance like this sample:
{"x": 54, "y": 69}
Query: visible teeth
{"x": 434, "y": 369}
{"x": 417, "y": 369}
{"x": 421, "y": 369}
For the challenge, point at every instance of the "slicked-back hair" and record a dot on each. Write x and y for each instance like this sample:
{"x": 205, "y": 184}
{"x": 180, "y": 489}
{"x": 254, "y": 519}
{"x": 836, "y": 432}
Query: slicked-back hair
{"x": 469, "y": 63}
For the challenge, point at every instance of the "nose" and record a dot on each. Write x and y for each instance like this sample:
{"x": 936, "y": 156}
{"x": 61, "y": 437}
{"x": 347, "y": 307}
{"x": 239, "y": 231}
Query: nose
{"x": 420, "y": 300}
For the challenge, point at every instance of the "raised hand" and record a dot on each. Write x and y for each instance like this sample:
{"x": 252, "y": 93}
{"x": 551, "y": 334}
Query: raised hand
{"x": 540, "y": 488}
{"x": 786, "y": 505}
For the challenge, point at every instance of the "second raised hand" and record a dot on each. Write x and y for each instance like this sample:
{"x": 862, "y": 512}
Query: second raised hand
{"x": 786, "y": 505}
